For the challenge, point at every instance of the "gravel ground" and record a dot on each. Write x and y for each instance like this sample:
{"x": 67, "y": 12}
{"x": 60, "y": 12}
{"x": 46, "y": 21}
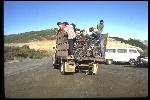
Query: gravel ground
{"x": 37, "y": 79}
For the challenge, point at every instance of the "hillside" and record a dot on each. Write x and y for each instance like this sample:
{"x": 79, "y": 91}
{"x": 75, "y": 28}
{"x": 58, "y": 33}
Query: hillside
{"x": 145, "y": 42}
{"x": 48, "y": 34}
{"x": 130, "y": 43}
{"x": 134, "y": 42}
{"x": 112, "y": 43}
{"x": 45, "y": 40}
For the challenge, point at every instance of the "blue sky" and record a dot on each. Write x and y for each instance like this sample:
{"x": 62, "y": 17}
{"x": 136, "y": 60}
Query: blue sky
{"x": 125, "y": 19}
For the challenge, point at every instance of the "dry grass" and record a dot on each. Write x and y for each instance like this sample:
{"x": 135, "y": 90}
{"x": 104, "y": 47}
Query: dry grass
{"x": 43, "y": 45}
{"x": 49, "y": 44}
{"x": 37, "y": 45}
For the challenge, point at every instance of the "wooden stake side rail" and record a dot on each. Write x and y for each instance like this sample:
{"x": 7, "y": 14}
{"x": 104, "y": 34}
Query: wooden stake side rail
{"x": 105, "y": 40}
{"x": 62, "y": 53}
{"x": 62, "y": 45}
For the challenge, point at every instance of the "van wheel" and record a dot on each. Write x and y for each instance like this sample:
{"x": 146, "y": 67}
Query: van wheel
{"x": 132, "y": 62}
{"x": 109, "y": 61}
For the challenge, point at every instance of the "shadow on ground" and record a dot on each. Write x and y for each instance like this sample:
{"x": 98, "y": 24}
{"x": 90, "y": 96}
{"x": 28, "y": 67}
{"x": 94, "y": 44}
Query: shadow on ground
{"x": 134, "y": 66}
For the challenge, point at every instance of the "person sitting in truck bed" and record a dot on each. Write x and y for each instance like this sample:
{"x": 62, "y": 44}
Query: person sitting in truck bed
{"x": 71, "y": 37}
{"x": 92, "y": 33}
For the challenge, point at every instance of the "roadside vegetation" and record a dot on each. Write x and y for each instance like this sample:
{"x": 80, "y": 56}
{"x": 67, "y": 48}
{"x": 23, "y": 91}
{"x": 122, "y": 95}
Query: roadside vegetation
{"x": 15, "y": 53}
{"x": 20, "y": 53}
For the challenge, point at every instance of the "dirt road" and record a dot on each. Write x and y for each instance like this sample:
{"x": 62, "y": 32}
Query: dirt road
{"x": 37, "y": 79}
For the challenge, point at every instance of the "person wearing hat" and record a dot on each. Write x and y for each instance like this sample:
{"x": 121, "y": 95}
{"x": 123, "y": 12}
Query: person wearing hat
{"x": 61, "y": 26}
{"x": 74, "y": 27}
{"x": 100, "y": 27}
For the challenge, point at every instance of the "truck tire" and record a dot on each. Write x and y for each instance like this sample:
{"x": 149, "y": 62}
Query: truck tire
{"x": 54, "y": 66}
{"x": 76, "y": 69}
{"x": 54, "y": 61}
{"x": 109, "y": 61}
{"x": 94, "y": 69}
{"x": 62, "y": 68}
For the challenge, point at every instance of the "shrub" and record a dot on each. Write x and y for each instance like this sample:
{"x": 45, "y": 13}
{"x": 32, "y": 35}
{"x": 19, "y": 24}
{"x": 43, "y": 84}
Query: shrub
{"x": 22, "y": 52}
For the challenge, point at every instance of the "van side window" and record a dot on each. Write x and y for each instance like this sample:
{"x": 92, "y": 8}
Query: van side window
{"x": 111, "y": 50}
{"x": 132, "y": 51}
{"x": 122, "y": 50}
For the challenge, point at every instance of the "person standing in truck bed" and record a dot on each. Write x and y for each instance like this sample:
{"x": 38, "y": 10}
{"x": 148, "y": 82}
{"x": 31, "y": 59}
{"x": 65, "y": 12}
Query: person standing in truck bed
{"x": 74, "y": 27}
{"x": 69, "y": 29}
{"x": 100, "y": 27}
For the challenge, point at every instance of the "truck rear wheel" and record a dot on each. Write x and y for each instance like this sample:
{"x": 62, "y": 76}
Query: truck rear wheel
{"x": 54, "y": 61}
{"x": 76, "y": 69}
{"x": 109, "y": 61}
{"x": 94, "y": 69}
{"x": 62, "y": 68}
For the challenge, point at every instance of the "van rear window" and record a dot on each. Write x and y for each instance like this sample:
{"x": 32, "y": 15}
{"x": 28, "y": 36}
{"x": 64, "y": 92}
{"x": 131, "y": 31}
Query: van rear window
{"x": 122, "y": 50}
{"x": 111, "y": 50}
{"x": 132, "y": 51}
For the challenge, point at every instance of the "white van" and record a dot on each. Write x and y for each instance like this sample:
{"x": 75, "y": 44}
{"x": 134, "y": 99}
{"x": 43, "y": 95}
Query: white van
{"x": 121, "y": 55}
